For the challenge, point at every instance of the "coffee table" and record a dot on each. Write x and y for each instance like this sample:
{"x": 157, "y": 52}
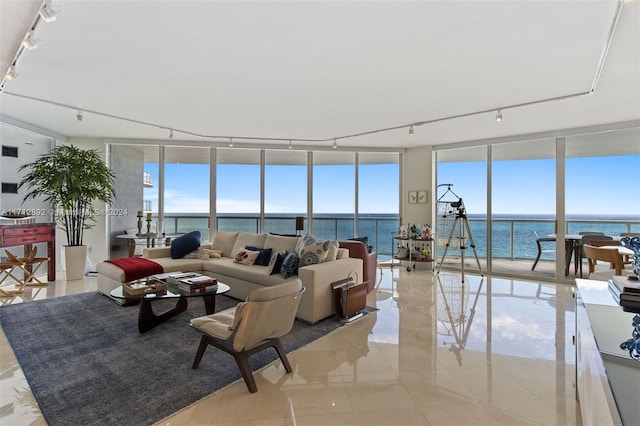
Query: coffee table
{"x": 147, "y": 319}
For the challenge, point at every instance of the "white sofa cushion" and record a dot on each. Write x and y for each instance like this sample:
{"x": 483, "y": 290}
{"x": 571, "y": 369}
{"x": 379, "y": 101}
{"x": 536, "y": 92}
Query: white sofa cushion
{"x": 252, "y": 273}
{"x": 281, "y": 243}
{"x": 244, "y": 239}
{"x": 224, "y": 241}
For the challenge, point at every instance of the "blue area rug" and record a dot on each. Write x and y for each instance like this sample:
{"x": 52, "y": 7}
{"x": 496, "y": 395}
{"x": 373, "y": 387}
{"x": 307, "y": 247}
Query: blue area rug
{"x": 87, "y": 364}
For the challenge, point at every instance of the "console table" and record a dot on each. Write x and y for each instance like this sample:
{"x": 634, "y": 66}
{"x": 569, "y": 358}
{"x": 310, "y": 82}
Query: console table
{"x": 608, "y": 379}
{"x": 26, "y": 235}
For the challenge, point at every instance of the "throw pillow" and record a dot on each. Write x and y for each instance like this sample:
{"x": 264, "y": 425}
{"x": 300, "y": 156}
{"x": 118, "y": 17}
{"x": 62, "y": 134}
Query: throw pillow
{"x": 314, "y": 251}
{"x": 289, "y": 265}
{"x": 245, "y": 257}
{"x": 275, "y": 264}
{"x": 198, "y": 253}
{"x": 213, "y": 253}
{"x": 264, "y": 257}
{"x": 185, "y": 244}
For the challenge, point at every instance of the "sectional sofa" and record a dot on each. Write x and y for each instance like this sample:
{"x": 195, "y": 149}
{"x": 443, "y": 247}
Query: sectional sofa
{"x": 333, "y": 264}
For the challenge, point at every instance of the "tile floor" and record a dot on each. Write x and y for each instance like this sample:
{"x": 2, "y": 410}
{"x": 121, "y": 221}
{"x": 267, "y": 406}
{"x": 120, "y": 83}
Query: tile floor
{"x": 490, "y": 351}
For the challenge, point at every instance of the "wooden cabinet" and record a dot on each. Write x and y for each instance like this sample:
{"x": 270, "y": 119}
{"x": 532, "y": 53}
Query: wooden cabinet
{"x": 26, "y": 235}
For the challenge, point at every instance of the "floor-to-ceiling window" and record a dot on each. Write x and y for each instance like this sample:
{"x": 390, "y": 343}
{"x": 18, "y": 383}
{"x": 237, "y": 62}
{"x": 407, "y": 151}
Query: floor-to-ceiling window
{"x": 523, "y": 176}
{"x": 334, "y": 194}
{"x": 462, "y": 178}
{"x": 238, "y": 189}
{"x": 186, "y": 189}
{"x": 602, "y": 182}
{"x": 285, "y": 190}
{"x": 378, "y": 215}
{"x": 599, "y": 171}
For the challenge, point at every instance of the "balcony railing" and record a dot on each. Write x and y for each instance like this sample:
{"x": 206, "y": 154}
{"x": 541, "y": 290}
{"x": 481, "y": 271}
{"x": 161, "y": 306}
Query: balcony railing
{"x": 513, "y": 239}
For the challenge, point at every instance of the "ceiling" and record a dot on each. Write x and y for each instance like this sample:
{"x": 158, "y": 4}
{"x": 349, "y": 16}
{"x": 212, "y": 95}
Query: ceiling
{"x": 321, "y": 70}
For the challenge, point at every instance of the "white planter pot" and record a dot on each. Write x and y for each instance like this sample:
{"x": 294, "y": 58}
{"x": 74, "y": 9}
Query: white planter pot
{"x": 75, "y": 258}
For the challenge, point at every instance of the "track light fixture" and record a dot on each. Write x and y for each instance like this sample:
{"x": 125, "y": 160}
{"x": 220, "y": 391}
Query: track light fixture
{"x": 11, "y": 73}
{"x": 79, "y": 116}
{"x": 290, "y": 146}
{"x": 411, "y": 130}
{"x": 335, "y": 144}
{"x": 48, "y": 11}
{"x": 231, "y": 142}
{"x": 170, "y": 133}
{"x": 30, "y": 42}
{"x": 499, "y": 116}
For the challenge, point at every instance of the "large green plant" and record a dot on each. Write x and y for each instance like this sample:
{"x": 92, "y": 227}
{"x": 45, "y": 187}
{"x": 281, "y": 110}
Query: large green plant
{"x": 71, "y": 179}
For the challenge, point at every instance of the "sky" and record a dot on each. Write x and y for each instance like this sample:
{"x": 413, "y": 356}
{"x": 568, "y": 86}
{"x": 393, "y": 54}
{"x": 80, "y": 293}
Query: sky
{"x": 595, "y": 186}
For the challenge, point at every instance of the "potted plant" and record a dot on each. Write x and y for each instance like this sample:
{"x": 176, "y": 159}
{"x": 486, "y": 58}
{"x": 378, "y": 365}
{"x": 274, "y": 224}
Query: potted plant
{"x": 71, "y": 179}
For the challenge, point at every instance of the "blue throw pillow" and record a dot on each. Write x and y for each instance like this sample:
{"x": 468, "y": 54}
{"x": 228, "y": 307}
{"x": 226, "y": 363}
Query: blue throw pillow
{"x": 289, "y": 265}
{"x": 276, "y": 262}
{"x": 185, "y": 244}
{"x": 264, "y": 257}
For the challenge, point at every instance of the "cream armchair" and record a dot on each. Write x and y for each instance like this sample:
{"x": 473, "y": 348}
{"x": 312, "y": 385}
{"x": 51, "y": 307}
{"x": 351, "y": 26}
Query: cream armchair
{"x": 252, "y": 326}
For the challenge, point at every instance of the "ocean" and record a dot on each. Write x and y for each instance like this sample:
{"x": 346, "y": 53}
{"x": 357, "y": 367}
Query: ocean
{"x": 513, "y": 235}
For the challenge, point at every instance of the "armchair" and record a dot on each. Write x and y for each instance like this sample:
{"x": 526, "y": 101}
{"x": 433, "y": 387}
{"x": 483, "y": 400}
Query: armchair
{"x": 359, "y": 250}
{"x": 252, "y": 326}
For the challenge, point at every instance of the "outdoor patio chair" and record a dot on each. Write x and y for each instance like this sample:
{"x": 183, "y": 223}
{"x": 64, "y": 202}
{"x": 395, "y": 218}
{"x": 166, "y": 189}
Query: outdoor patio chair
{"x": 539, "y": 242}
{"x": 252, "y": 326}
{"x": 596, "y": 239}
{"x": 609, "y": 255}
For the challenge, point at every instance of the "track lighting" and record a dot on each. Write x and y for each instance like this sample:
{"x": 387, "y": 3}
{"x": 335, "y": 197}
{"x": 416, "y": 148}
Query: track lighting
{"x": 290, "y": 146}
{"x": 170, "y": 133}
{"x": 48, "y": 12}
{"x": 411, "y": 130}
{"x": 499, "y": 116}
{"x": 335, "y": 144}
{"x": 11, "y": 74}
{"x": 30, "y": 42}
{"x": 79, "y": 116}
{"x": 231, "y": 142}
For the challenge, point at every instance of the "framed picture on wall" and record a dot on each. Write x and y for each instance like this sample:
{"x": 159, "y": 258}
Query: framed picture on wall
{"x": 413, "y": 197}
{"x": 422, "y": 197}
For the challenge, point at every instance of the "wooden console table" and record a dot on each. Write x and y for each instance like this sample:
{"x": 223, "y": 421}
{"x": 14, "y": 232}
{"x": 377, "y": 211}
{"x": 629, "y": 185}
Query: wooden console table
{"x": 28, "y": 234}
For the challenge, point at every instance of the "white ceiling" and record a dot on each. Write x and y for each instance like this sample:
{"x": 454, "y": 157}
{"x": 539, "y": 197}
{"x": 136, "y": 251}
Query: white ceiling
{"x": 321, "y": 70}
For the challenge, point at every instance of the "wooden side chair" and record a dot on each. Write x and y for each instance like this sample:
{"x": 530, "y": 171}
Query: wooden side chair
{"x": 609, "y": 255}
{"x": 29, "y": 266}
{"x": 7, "y": 270}
{"x": 252, "y": 326}
{"x": 592, "y": 239}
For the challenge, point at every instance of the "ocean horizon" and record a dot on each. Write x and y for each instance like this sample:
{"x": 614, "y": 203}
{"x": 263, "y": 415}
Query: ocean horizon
{"x": 513, "y": 235}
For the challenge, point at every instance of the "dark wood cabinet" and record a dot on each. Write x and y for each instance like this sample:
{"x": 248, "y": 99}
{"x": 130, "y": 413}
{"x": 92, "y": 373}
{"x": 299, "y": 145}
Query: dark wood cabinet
{"x": 26, "y": 235}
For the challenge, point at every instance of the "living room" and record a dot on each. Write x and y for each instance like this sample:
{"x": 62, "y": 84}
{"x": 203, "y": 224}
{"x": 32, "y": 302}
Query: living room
{"x": 175, "y": 106}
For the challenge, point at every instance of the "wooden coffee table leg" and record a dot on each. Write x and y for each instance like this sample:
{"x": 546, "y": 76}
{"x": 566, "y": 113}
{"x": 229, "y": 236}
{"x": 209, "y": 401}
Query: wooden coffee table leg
{"x": 209, "y": 303}
{"x": 148, "y": 320}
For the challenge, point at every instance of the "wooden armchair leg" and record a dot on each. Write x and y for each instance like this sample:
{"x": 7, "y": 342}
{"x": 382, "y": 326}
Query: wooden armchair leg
{"x": 204, "y": 342}
{"x": 283, "y": 355}
{"x": 242, "y": 359}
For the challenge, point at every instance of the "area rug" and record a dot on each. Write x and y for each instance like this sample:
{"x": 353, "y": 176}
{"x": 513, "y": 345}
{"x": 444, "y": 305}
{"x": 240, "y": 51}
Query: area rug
{"x": 87, "y": 364}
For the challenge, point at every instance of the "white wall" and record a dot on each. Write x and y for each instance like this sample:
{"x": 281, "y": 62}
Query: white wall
{"x": 417, "y": 176}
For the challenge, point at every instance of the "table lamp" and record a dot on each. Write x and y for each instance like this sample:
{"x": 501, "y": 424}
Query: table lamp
{"x": 299, "y": 224}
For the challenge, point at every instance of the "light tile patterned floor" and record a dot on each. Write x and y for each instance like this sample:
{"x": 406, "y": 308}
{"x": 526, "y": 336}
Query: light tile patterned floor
{"x": 489, "y": 351}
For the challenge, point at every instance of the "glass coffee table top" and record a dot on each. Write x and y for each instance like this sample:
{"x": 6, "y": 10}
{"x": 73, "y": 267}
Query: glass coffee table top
{"x": 172, "y": 292}
{"x": 147, "y": 319}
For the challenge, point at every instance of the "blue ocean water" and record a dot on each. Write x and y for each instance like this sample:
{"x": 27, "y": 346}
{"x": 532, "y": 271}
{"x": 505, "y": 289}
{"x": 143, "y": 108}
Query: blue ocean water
{"x": 513, "y": 235}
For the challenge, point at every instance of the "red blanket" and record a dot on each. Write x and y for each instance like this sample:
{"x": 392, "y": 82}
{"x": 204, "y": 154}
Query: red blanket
{"x": 136, "y": 267}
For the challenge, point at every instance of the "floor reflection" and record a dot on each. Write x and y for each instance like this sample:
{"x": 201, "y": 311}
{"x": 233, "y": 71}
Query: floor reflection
{"x": 438, "y": 351}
